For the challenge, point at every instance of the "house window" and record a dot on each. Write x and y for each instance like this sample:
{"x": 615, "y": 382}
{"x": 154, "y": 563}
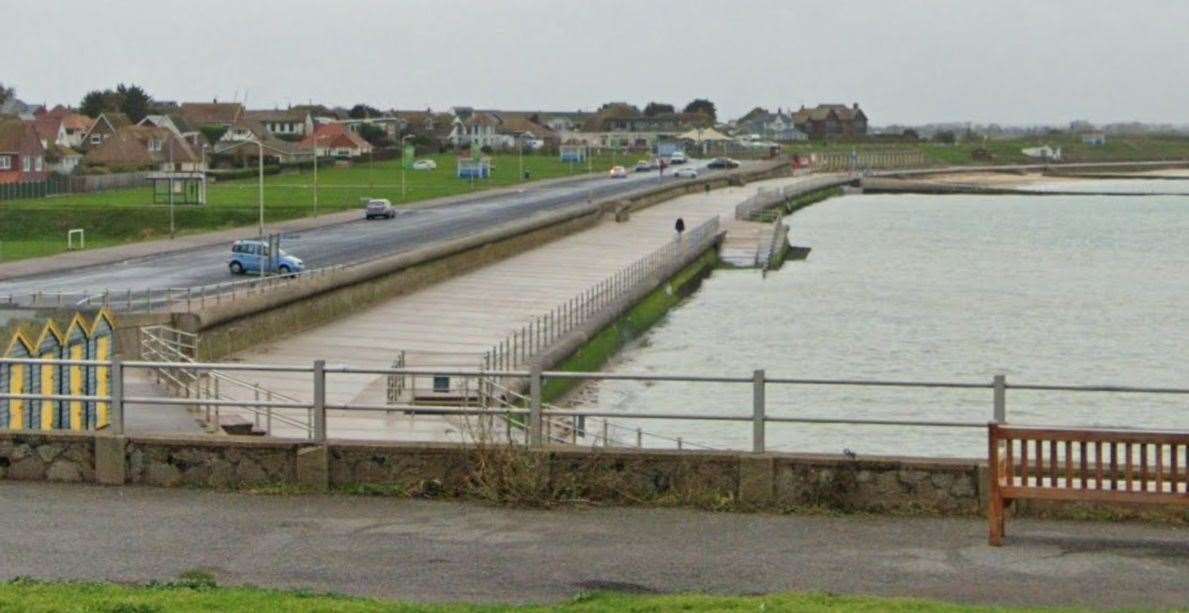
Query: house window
{"x": 27, "y": 163}
{"x": 40, "y": 164}
{"x": 5, "y": 162}
{"x": 441, "y": 385}
{"x": 96, "y": 139}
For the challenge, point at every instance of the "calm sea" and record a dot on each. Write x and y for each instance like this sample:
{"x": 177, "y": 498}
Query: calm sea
{"x": 1058, "y": 289}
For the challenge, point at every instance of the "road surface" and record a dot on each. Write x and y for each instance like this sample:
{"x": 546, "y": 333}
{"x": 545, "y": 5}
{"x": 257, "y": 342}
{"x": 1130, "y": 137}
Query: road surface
{"x": 337, "y": 244}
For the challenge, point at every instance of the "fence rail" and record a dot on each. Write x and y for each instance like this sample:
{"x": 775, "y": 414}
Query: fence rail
{"x": 535, "y": 413}
{"x": 167, "y": 299}
{"x": 538, "y": 335}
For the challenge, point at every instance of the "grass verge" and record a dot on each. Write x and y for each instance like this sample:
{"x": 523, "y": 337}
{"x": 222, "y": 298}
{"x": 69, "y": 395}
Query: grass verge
{"x": 37, "y": 227}
{"x": 196, "y": 593}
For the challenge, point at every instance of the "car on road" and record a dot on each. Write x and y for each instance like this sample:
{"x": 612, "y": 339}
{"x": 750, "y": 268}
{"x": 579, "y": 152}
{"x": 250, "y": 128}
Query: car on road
{"x": 645, "y": 165}
{"x": 686, "y": 173}
{"x": 618, "y": 172}
{"x": 249, "y": 256}
{"x": 425, "y": 165}
{"x": 723, "y": 163}
{"x": 678, "y": 157}
{"x": 379, "y": 208}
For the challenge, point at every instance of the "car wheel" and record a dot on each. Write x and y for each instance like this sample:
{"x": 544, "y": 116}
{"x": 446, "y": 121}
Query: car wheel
{"x": 237, "y": 268}
{"x": 392, "y": 215}
{"x": 283, "y": 269}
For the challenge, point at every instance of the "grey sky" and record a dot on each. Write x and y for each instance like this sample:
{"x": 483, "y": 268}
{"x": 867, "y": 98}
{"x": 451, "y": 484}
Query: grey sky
{"x": 905, "y": 61}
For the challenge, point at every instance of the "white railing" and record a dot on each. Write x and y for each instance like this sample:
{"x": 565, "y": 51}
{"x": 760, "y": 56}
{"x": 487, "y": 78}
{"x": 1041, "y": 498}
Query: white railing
{"x": 519, "y": 347}
{"x": 318, "y": 408}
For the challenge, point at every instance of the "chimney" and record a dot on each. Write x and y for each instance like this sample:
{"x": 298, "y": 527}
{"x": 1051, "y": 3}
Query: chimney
{"x": 855, "y": 105}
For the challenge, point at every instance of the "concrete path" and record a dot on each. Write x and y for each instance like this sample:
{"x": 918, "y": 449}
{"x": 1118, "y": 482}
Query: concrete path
{"x": 439, "y": 551}
{"x": 454, "y": 322}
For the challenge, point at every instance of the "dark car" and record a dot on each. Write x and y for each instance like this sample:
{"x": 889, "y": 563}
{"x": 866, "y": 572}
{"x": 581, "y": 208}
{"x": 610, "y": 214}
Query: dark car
{"x": 723, "y": 163}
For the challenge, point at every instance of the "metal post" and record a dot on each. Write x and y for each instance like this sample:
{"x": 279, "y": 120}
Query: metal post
{"x": 534, "y": 415}
{"x": 116, "y": 411}
{"x": 319, "y": 429}
{"x": 605, "y": 430}
{"x": 1000, "y": 387}
{"x": 640, "y": 437}
{"x": 757, "y": 411}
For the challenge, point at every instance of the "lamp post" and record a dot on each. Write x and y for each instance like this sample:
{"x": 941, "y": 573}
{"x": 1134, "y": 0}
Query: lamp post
{"x": 315, "y": 135}
{"x": 520, "y": 155}
{"x": 172, "y": 227}
{"x": 404, "y": 164}
{"x": 260, "y": 166}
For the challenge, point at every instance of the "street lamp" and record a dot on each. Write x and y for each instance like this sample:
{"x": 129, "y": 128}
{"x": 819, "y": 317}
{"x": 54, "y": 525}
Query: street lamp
{"x": 260, "y": 166}
{"x": 172, "y": 228}
{"x": 404, "y": 163}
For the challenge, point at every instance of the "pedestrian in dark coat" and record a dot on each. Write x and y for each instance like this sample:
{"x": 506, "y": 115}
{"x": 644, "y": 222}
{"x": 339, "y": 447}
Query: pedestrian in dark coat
{"x": 679, "y": 226}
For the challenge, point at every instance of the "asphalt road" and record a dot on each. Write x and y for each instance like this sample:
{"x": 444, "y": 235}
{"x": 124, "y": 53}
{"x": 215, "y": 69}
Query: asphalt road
{"x": 446, "y": 551}
{"x": 338, "y": 244}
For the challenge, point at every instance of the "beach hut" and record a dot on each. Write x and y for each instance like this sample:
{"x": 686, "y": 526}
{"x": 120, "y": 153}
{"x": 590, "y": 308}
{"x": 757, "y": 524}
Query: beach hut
{"x": 77, "y": 337}
{"x": 47, "y": 378}
{"x": 14, "y": 379}
{"x": 101, "y": 347}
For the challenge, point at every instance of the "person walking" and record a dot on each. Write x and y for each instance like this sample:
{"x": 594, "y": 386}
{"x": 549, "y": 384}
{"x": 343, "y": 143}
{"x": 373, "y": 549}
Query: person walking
{"x": 679, "y": 226}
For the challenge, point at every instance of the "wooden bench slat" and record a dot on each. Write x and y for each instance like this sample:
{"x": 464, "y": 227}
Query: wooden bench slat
{"x": 1142, "y": 475}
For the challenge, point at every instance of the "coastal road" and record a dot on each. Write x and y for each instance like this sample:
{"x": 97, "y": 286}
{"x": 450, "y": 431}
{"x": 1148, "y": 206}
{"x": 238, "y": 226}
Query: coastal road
{"x": 343, "y": 243}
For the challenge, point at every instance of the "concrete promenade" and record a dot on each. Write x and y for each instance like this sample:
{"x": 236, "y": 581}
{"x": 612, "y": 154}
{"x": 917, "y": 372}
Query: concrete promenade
{"x": 445, "y": 551}
{"x": 454, "y": 322}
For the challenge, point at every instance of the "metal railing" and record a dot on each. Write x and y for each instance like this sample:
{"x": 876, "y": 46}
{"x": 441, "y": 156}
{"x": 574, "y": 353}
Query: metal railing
{"x": 318, "y": 408}
{"x": 166, "y": 299}
{"x": 519, "y": 347}
{"x": 172, "y": 350}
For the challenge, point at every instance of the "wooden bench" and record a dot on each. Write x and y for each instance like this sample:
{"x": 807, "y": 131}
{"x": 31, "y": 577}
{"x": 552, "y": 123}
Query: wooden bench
{"x": 1113, "y": 466}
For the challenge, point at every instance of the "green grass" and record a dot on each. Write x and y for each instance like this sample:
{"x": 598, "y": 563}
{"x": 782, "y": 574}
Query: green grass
{"x": 37, "y": 227}
{"x": 197, "y": 594}
{"x": 1116, "y": 149}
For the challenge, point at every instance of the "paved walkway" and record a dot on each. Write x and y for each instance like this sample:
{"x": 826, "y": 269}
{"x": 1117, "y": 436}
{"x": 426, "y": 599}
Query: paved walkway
{"x": 454, "y": 322}
{"x": 440, "y": 551}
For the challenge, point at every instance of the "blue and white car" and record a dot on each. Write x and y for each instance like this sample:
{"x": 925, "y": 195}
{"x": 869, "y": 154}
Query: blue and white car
{"x": 247, "y": 256}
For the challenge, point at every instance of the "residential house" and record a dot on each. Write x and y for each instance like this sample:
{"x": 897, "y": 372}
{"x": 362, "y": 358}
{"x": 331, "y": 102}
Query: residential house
{"x": 144, "y": 147}
{"x": 16, "y": 108}
{"x": 528, "y": 133}
{"x": 201, "y": 115}
{"x": 104, "y": 126}
{"x": 831, "y": 121}
{"x": 244, "y": 139}
{"x": 177, "y": 124}
{"x": 761, "y": 124}
{"x": 477, "y": 130}
{"x": 291, "y": 124}
{"x": 335, "y": 140}
{"x": 76, "y": 126}
{"x": 622, "y": 126}
{"x": 22, "y": 156}
{"x": 1094, "y": 138}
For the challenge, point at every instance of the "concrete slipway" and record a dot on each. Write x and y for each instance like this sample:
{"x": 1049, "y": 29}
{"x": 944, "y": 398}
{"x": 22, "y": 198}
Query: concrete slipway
{"x": 455, "y": 322}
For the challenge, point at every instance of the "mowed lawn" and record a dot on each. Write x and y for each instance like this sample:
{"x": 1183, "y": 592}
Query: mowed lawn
{"x": 37, "y": 227}
{"x": 36, "y": 597}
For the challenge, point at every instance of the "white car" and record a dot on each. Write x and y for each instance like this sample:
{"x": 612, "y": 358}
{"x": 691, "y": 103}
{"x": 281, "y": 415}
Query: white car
{"x": 678, "y": 157}
{"x": 686, "y": 173}
{"x": 425, "y": 165}
{"x": 618, "y": 172}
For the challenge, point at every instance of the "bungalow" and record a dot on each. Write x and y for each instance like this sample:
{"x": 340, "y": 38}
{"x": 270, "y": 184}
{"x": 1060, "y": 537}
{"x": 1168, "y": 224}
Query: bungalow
{"x": 292, "y": 123}
{"x": 622, "y": 126}
{"x": 144, "y": 148}
{"x": 529, "y": 133}
{"x": 478, "y": 130}
{"x": 244, "y": 139}
{"x": 104, "y": 126}
{"x": 174, "y": 122}
{"x": 22, "y": 156}
{"x": 335, "y": 140}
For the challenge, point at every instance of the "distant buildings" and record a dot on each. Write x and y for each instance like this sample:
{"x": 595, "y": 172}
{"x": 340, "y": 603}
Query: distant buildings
{"x": 22, "y": 156}
{"x": 760, "y": 124}
{"x": 831, "y": 121}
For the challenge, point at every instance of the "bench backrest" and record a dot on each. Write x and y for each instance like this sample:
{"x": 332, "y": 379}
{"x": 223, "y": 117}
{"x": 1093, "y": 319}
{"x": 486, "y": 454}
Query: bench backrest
{"x": 1121, "y": 465}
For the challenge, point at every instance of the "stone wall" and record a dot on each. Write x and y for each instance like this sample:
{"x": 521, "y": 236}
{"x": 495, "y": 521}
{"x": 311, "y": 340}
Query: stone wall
{"x": 775, "y": 482}
{"x": 216, "y": 462}
{"x": 27, "y": 456}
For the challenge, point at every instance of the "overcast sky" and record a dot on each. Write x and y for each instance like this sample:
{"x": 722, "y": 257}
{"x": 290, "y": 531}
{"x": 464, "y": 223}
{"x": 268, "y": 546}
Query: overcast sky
{"x": 1007, "y": 61}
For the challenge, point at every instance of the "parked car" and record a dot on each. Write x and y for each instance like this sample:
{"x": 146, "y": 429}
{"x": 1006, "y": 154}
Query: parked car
{"x": 723, "y": 163}
{"x": 425, "y": 165}
{"x": 248, "y": 256}
{"x": 678, "y": 157}
{"x": 618, "y": 172}
{"x": 379, "y": 208}
{"x": 645, "y": 166}
{"x": 686, "y": 173}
